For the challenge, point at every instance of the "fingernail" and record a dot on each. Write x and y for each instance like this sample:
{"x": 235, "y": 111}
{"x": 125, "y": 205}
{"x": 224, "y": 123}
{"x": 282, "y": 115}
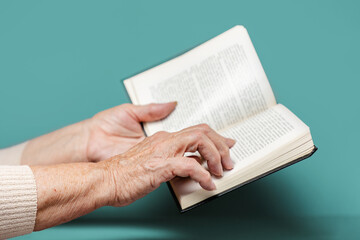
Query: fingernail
{"x": 231, "y": 142}
{"x": 228, "y": 163}
{"x": 213, "y": 186}
{"x": 164, "y": 103}
{"x": 231, "y": 164}
{"x": 219, "y": 171}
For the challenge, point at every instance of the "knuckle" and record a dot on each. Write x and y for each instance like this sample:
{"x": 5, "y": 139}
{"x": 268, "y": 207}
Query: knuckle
{"x": 190, "y": 166}
{"x": 167, "y": 175}
{"x": 160, "y": 134}
{"x": 224, "y": 151}
{"x": 217, "y": 158}
{"x": 214, "y": 159}
{"x": 207, "y": 176}
{"x": 170, "y": 165}
{"x": 205, "y": 127}
{"x": 197, "y": 135}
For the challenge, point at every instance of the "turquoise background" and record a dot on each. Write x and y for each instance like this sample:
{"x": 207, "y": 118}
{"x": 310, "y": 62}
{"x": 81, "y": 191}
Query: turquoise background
{"x": 64, "y": 61}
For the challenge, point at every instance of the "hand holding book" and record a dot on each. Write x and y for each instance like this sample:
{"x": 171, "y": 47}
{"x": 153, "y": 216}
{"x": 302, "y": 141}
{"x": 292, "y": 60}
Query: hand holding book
{"x": 222, "y": 83}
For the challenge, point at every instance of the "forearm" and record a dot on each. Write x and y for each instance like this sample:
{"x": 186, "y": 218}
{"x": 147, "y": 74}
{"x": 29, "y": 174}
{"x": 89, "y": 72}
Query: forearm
{"x": 68, "y": 191}
{"x": 61, "y": 146}
{"x": 12, "y": 155}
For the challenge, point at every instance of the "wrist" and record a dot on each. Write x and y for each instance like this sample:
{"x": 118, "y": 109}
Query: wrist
{"x": 74, "y": 139}
{"x": 68, "y": 191}
{"x": 84, "y": 129}
{"x": 102, "y": 185}
{"x": 66, "y": 145}
{"x": 112, "y": 179}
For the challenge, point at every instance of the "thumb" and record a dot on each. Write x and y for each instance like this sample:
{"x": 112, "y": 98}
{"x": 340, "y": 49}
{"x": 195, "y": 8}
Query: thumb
{"x": 152, "y": 112}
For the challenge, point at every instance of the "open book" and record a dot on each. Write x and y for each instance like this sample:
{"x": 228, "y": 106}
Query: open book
{"x": 222, "y": 83}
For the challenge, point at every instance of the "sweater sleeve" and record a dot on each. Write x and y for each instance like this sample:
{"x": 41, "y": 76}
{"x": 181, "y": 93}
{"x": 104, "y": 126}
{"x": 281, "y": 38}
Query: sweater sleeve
{"x": 18, "y": 201}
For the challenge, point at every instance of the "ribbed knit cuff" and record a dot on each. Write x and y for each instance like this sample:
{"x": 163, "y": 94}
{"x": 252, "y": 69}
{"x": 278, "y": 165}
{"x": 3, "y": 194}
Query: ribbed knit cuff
{"x": 18, "y": 201}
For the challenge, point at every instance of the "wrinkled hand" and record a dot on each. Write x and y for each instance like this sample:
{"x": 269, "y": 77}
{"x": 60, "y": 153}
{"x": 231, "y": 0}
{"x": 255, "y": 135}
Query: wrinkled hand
{"x": 116, "y": 130}
{"x": 159, "y": 158}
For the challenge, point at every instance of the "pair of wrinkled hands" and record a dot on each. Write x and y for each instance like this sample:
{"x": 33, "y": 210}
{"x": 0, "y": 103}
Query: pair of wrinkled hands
{"x": 138, "y": 164}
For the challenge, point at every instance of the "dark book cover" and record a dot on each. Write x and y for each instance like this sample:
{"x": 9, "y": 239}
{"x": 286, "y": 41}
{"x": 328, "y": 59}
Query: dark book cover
{"x": 235, "y": 187}
{"x": 240, "y": 185}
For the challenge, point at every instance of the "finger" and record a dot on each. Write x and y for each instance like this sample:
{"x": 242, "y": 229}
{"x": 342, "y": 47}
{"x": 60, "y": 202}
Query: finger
{"x": 152, "y": 112}
{"x": 230, "y": 142}
{"x": 200, "y": 160}
{"x": 189, "y": 167}
{"x": 196, "y": 140}
{"x": 223, "y": 148}
{"x": 221, "y": 143}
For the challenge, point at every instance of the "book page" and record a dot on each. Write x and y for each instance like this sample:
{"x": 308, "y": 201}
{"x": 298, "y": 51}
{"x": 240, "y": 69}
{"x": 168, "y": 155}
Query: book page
{"x": 263, "y": 134}
{"x": 220, "y": 82}
{"x": 260, "y": 136}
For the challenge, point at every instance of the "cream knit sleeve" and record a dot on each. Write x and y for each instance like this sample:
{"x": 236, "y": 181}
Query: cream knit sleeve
{"x": 18, "y": 198}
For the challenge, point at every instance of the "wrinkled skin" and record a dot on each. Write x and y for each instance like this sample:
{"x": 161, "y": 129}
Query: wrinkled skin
{"x": 160, "y": 158}
{"x": 106, "y": 160}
